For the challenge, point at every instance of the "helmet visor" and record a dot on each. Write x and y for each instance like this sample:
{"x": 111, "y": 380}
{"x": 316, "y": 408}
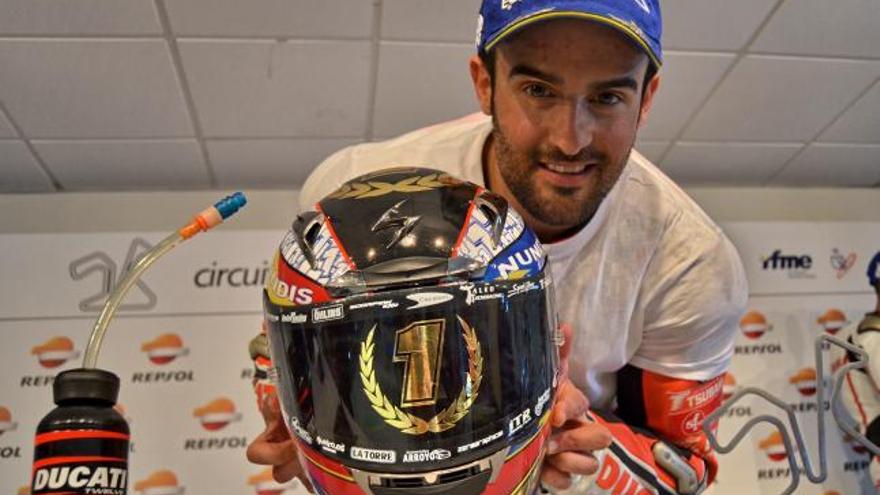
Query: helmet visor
{"x": 421, "y": 378}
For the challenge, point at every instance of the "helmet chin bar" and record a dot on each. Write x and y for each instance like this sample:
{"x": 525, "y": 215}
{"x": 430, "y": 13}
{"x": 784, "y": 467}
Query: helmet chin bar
{"x": 840, "y": 418}
{"x": 468, "y": 479}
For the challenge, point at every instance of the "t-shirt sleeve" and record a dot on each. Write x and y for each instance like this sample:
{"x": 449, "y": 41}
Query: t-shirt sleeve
{"x": 327, "y": 177}
{"x": 693, "y": 295}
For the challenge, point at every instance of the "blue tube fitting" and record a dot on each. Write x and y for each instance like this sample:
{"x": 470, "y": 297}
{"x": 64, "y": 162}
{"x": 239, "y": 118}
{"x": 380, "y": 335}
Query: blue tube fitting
{"x": 230, "y": 204}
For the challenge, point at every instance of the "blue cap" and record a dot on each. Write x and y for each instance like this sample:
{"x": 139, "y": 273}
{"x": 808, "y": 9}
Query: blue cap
{"x": 874, "y": 270}
{"x": 639, "y": 20}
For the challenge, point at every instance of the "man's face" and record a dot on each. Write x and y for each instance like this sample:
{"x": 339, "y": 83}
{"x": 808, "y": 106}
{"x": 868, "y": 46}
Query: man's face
{"x": 566, "y": 103}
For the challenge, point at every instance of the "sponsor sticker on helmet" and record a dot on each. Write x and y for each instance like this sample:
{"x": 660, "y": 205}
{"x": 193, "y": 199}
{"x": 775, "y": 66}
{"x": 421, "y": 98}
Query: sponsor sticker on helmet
{"x": 328, "y": 313}
{"x": 425, "y": 299}
{"x": 426, "y": 455}
{"x": 375, "y": 455}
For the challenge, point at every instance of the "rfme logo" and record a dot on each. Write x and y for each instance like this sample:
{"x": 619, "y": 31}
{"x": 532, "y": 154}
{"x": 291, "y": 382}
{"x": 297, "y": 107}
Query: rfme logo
{"x": 797, "y": 266}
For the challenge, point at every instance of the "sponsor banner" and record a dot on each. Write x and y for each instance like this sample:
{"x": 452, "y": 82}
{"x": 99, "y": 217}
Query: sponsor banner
{"x": 179, "y": 345}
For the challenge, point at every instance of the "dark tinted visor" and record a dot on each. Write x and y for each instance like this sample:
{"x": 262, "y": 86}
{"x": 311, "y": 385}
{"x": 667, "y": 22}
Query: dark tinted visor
{"x": 417, "y": 379}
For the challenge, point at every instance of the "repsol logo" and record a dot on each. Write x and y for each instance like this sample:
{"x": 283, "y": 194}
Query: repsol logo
{"x": 758, "y": 349}
{"x": 779, "y": 261}
{"x": 93, "y": 479}
{"x": 10, "y": 452}
{"x": 520, "y": 260}
{"x": 36, "y": 381}
{"x": 855, "y": 466}
{"x": 215, "y": 443}
{"x": 739, "y": 412}
{"x": 214, "y": 277}
{"x": 774, "y": 474}
{"x": 163, "y": 377}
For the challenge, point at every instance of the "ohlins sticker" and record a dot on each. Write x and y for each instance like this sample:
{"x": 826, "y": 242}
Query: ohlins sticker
{"x": 422, "y": 341}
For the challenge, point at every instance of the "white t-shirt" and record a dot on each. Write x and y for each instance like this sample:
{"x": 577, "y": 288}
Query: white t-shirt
{"x": 650, "y": 281}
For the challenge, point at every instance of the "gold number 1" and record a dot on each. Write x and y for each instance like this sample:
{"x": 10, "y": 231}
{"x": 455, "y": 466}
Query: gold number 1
{"x": 418, "y": 345}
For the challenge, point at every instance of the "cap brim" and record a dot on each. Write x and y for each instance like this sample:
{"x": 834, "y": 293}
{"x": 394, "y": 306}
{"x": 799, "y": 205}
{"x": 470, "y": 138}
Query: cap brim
{"x": 608, "y": 21}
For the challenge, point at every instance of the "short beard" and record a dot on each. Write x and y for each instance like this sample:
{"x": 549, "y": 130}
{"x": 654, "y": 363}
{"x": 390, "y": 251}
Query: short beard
{"x": 563, "y": 210}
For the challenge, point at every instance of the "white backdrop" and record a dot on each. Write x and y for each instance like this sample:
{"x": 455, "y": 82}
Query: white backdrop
{"x": 180, "y": 348}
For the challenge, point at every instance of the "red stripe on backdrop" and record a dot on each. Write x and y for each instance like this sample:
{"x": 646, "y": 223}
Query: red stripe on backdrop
{"x": 56, "y": 436}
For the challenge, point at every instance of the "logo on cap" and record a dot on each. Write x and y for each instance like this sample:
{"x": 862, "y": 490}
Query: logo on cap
{"x": 164, "y": 348}
{"x": 217, "y": 414}
{"x": 55, "y": 352}
{"x": 162, "y": 482}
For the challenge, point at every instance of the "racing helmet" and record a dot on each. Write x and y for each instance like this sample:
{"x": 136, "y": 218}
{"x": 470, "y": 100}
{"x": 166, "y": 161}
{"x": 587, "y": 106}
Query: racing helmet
{"x": 412, "y": 329}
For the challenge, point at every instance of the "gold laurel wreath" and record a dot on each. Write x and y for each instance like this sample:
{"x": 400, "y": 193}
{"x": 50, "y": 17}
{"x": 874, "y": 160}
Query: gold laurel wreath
{"x": 414, "y": 425}
{"x": 372, "y": 189}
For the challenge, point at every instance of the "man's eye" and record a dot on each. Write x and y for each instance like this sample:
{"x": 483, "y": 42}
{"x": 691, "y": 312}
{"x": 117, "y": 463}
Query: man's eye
{"x": 537, "y": 90}
{"x": 608, "y": 99}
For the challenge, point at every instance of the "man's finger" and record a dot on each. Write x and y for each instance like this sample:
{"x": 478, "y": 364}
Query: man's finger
{"x": 574, "y": 463}
{"x": 271, "y": 409}
{"x": 270, "y": 453}
{"x": 585, "y": 437}
{"x": 570, "y": 404}
{"x": 565, "y": 350}
{"x": 555, "y": 478}
{"x": 287, "y": 472}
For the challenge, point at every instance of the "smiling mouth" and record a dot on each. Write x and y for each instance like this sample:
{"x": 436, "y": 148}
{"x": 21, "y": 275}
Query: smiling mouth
{"x": 567, "y": 168}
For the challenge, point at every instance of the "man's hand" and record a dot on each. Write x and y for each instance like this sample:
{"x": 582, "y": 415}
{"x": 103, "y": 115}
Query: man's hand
{"x": 274, "y": 447}
{"x": 575, "y": 438}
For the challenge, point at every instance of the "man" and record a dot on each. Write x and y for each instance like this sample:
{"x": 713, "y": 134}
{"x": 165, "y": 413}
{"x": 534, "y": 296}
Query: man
{"x": 651, "y": 287}
{"x": 860, "y": 393}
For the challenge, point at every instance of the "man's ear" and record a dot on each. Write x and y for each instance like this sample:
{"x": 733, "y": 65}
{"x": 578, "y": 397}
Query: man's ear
{"x": 648, "y": 99}
{"x": 482, "y": 84}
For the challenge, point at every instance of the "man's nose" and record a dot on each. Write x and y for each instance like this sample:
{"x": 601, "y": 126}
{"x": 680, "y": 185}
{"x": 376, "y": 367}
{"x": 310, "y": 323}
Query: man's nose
{"x": 572, "y": 128}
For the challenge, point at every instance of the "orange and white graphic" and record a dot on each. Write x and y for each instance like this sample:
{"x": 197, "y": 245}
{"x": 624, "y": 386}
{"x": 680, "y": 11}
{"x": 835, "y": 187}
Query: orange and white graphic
{"x": 805, "y": 381}
{"x": 264, "y": 484}
{"x": 162, "y": 482}
{"x": 832, "y": 492}
{"x": 832, "y": 321}
{"x": 55, "y": 352}
{"x": 773, "y": 446}
{"x": 216, "y": 414}
{"x": 164, "y": 348}
{"x": 6, "y": 423}
{"x": 729, "y": 388}
{"x": 122, "y": 412}
{"x": 753, "y": 325}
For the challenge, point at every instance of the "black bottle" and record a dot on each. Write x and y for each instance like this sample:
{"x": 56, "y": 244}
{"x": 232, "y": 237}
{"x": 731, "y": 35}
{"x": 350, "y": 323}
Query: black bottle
{"x": 82, "y": 445}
